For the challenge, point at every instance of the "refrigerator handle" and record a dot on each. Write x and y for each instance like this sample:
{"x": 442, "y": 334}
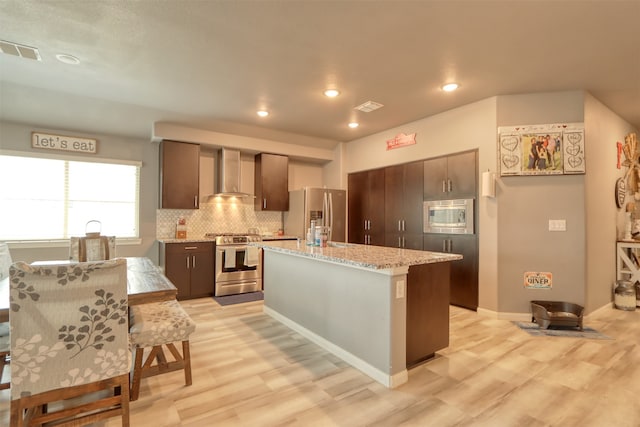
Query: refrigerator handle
{"x": 330, "y": 215}
{"x": 325, "y": 208}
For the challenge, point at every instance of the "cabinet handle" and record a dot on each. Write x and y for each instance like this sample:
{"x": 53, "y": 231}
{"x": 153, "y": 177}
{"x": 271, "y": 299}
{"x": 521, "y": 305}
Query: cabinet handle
{"x": 449, "y": 186}
{"x": 368, "y": 239}
{"x": 444, "y": 245}
{"x": 188, "y": 263}
{"x": 195, "y": 201}
{"x": 399, "y": 242}
{"x": 404, "y": 225}
{"x": 264, "y": 203}
{"x": 399, "y": 225}
{"x": 444, "y": 186}
{"x": 365, "y": 224}
{"x": 190, "y": 248}
{"x": 368, "y": 224}
{"x": 193, "y": 258}
{"x": 404, "y": 243}
{"x": 450, "y": 246}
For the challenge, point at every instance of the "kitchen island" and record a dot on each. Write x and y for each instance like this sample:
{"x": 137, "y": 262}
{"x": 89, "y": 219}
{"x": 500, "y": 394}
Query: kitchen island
{"x": 379, "y": 309}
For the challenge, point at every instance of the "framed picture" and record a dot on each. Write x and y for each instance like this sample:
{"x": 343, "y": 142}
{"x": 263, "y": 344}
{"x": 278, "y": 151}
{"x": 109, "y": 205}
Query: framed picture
{"x": 551, "y": 149}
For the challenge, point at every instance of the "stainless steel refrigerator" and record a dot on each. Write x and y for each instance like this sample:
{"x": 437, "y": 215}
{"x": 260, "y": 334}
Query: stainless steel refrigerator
{"x": 327, "y": 206}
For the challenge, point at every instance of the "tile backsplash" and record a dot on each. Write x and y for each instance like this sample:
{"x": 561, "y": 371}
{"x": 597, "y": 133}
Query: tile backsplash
{"x": 227, "y": 216}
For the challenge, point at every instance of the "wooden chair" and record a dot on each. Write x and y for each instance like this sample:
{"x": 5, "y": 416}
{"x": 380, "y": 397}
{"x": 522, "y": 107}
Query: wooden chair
{"x": 92, "y": 246}
{"x": 5, "y": 263}
{"x": 153, "y": 327}
{"x": 4, "y": 352}
{"x": 69, "y": 340}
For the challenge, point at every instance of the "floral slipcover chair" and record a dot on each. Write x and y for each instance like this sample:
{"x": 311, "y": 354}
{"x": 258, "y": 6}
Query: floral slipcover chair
{"x": 69, "y": 331}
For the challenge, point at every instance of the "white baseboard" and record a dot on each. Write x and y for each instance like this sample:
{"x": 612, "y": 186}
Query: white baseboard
{"x": 607, "y": 307}
{"x": 526, "y": 317}
{"x": 383, "y": 378}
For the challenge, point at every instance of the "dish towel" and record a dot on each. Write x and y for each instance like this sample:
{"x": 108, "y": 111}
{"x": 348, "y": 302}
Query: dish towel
{"x": 230, "y": 258}
{"x": 251, "y": 256}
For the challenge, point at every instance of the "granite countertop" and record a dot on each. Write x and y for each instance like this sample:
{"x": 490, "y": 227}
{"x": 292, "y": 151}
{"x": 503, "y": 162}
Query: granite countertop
{"x": 187, "y": 240}
{"x": 205, "y": 239}
{"x": 365, "y": 256}
{"x": 266, "y": 238}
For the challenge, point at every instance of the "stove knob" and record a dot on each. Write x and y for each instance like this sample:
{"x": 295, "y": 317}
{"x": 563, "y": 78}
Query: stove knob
{"x": 225, "y": 240}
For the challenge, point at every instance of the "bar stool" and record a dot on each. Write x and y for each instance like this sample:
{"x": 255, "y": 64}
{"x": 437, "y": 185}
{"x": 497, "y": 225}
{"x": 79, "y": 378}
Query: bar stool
{"x": 5, "y": 344}
{"x": 5, "y": 341}
{"x": 154, "y": 325}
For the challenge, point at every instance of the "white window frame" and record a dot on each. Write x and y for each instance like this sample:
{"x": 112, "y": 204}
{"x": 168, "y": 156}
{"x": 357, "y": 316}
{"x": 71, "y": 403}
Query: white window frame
{"x": 39, "y": 243}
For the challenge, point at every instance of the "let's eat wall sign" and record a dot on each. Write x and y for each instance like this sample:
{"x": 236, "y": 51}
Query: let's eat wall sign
{"x": 49, "y": 141}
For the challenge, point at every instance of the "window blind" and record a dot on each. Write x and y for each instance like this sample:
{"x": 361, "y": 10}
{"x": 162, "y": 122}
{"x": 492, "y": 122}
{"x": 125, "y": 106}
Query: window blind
{"x": 54, "y": 198}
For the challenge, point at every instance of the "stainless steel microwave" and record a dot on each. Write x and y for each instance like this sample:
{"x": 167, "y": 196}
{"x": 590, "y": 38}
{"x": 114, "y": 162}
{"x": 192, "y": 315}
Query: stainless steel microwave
{"x": 448, "y": 216}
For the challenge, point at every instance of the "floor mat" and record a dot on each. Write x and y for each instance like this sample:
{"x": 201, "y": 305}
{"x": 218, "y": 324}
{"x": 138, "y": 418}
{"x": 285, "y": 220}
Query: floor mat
{"x": 239, "y": 298}
{"x": 559, "y": 331}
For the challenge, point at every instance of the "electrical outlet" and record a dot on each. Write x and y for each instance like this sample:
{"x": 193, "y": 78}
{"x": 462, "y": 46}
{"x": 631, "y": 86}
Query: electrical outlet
{"x": 557, "y": 225}
{"x": 400, "y": 289}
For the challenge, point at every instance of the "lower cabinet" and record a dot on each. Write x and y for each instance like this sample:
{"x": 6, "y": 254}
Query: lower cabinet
{"x": 427, "y": 310}
{"x": 464, "y": 272}
{"x": 189, "y": 266}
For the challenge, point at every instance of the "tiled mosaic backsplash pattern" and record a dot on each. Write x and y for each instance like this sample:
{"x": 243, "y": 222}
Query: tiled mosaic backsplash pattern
{"x": 217, "y": 217}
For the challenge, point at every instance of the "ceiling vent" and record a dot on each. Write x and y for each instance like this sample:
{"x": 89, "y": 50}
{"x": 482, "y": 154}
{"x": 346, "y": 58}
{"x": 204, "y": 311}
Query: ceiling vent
{"x": 368, "y": 106}
{"x": 20, "y": 50}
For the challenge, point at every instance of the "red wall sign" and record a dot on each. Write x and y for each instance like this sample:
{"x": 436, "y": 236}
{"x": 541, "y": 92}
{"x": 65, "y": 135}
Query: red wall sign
{"x": 401, "y": 140}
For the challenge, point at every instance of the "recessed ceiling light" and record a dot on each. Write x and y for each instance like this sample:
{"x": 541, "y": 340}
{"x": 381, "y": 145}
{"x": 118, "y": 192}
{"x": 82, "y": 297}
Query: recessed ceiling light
{"x": 263, "y": 113}
{"x": 450, "y": 87}
{"x": 331, "y": 93}
{"x": 67, "y": 59}
{"x": 353, "y": 125}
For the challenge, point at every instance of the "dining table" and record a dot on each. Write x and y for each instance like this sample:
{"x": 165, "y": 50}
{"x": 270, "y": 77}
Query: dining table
{"x": 145, "y": 283}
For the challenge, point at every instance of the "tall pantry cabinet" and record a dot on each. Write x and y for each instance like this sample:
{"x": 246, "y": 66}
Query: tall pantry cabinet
{"x": 403, "y": 205}
{"x": 455, "y": 177}
{"x": 366, "y": 203}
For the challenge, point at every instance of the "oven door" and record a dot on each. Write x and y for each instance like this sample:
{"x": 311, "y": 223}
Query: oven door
{"x": 232, "y": 264}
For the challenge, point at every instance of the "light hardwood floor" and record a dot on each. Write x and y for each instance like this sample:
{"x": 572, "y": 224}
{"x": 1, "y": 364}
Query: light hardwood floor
{"x": 250, "y": 370}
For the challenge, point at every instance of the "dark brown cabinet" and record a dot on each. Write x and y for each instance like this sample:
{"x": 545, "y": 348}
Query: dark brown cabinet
{"x": 366, "y": 201}
{"x": 427, "y": 310}
{"x": 271, "y": 182}
{"x": 189, "y": 266}
{"x": 450, "y": 177}
{"x": 464, "y": 272}
{"x": 179, "y": 175}
{"x": 403, "y": 205}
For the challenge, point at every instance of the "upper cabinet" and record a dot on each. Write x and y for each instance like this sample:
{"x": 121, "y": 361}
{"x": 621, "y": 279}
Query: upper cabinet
{"x": 451, "y": 177}
{"x": 271, "y": 182}
{"x": 179, "y": 175}
{"x": 366, "y": 207}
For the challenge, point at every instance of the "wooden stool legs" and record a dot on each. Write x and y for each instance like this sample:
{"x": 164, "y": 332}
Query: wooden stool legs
{"x": 146, "y": 368}
{"x": 4, "y": 360}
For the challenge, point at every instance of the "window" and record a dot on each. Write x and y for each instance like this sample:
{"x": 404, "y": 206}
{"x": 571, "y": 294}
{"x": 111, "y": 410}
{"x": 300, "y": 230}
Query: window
{"x": 54, "y": 198}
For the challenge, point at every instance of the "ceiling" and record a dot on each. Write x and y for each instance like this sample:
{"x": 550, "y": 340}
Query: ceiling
{"x": 212, "y": 64}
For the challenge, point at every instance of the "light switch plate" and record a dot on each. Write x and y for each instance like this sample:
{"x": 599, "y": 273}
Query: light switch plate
{"x": 400, "y": 289}
{"x": 557, "y": 225}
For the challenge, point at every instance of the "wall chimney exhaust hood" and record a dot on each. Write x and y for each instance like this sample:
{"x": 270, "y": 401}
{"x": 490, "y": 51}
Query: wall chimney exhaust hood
{"x": 229, "y": 174}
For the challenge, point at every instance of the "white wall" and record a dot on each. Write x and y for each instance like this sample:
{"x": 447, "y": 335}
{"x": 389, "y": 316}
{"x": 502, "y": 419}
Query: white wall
{"x": 17, "y": 137}
{"x": 470, "y": 127}
{"x": 527, "y": 203}
{"x": 603, "y": 129}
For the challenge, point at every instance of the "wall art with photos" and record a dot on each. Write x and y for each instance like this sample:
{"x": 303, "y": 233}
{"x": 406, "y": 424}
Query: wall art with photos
{"x": 549, "y": 149}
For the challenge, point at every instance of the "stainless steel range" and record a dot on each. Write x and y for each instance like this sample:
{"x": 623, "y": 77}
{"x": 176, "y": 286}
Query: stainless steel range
{"x": 238, "y": 266}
